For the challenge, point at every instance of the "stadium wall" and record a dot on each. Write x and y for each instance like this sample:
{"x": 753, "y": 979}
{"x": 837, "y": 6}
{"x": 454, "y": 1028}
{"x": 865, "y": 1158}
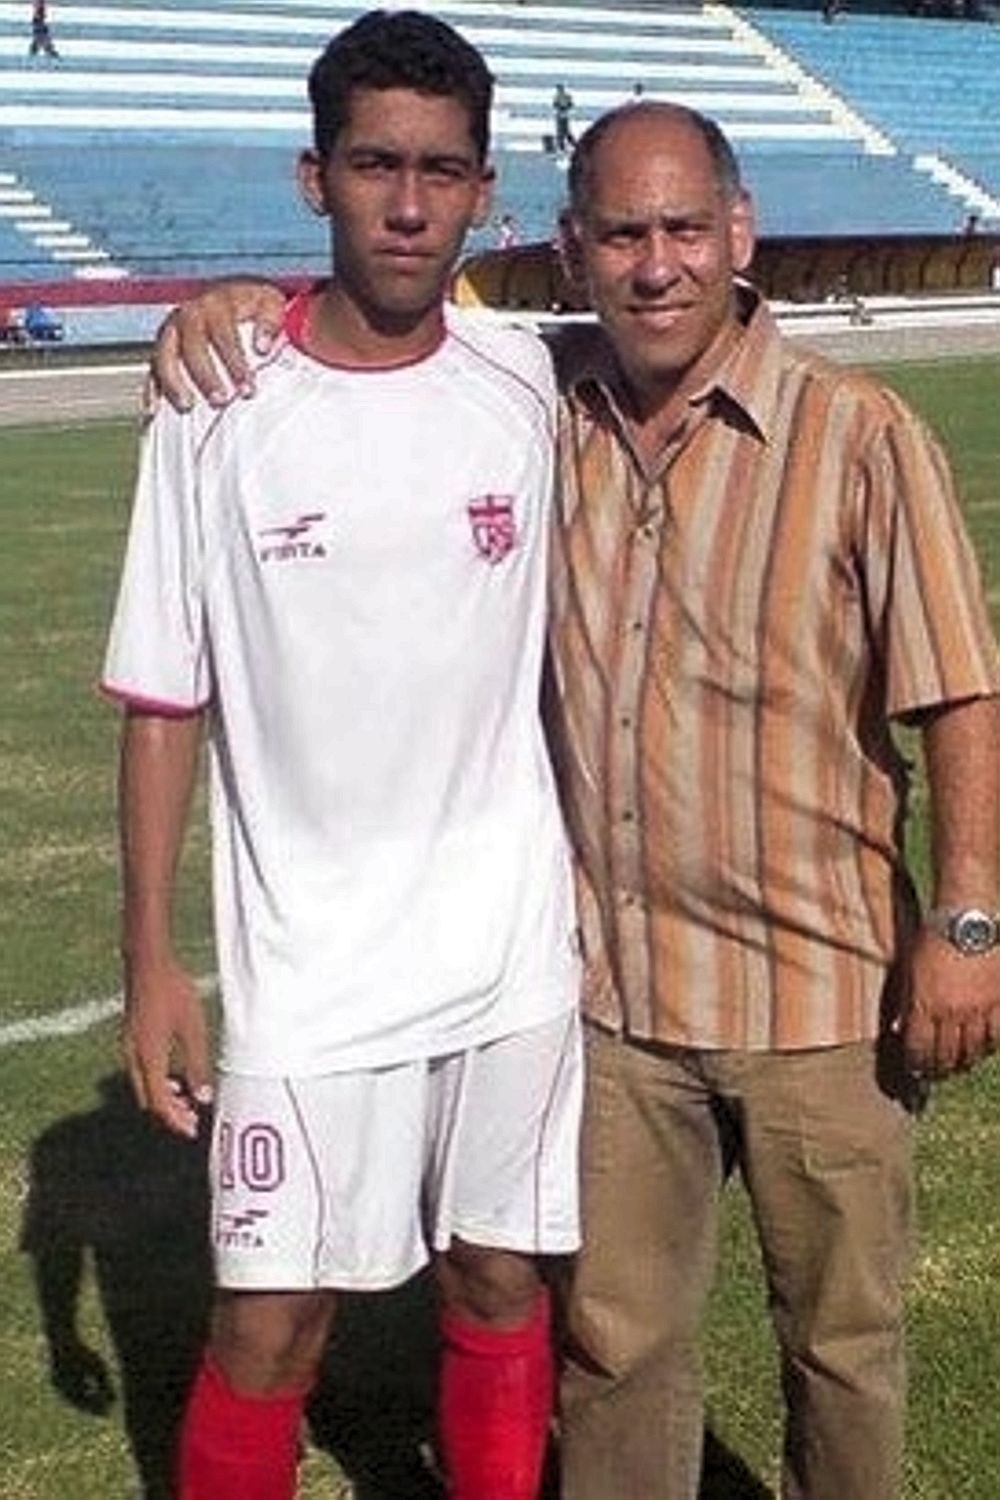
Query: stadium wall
{"x": 793, "y": 270}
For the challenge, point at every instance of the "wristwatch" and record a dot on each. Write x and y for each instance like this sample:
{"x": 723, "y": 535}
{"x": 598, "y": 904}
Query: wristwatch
{"x": 968, "y": 929}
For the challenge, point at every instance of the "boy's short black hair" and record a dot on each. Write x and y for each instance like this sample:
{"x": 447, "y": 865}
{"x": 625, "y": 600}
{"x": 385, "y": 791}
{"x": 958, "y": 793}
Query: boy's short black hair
{"x": 403, "y": 49}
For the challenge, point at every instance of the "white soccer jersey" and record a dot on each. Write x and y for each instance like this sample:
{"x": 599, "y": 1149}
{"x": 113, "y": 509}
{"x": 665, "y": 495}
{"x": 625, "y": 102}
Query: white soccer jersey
{"x": 349, "y": 572}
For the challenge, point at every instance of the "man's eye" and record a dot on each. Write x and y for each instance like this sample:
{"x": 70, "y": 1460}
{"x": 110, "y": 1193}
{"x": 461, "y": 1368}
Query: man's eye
{"x": 622, "y": 235}
{"x": 688, "y": 234}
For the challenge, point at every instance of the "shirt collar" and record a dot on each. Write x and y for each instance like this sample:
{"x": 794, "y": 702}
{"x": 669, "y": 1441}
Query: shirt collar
{"x": 747, "y": 378}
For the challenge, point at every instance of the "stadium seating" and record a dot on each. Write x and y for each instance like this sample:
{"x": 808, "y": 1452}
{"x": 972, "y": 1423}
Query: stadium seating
{"x": 161, "y": 140}
{"x": 929, "y": 84}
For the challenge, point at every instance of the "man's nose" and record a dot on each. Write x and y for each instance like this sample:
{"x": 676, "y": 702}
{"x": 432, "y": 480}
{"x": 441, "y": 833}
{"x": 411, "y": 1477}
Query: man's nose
{"x": 658, "y": 262}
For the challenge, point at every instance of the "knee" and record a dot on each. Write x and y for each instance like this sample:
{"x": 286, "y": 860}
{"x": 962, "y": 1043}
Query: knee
{"x": 497, "y": 1287}
{"x": 613, "y": 1336}
{"x": 271, "y": 1341}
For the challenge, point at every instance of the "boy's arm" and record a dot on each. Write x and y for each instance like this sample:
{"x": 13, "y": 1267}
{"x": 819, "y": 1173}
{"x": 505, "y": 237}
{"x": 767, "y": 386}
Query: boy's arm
{"x": 198, "y": 345}
{"x": 164, "y": 1021}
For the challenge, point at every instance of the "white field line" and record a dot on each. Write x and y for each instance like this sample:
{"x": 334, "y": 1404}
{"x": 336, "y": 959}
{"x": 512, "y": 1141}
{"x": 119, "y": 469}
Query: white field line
{"x": 65, "y": 372}
{"x": 76, "y": 1019}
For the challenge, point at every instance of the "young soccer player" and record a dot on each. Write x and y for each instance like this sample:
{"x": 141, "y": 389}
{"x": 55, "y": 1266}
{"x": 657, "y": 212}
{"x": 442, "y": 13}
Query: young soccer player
{"x": 345, "y": 581}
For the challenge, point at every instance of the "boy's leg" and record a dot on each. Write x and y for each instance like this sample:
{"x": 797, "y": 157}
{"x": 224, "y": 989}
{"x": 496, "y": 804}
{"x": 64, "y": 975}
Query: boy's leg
{"x": 239, "y": 1437}
{"x": 295, "y": 1213}
{"x": 495, "y": 1399}
{"x": 503, "y": 1188}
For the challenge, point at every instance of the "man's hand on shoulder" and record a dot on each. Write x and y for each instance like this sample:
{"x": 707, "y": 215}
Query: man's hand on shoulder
{"x": 952, "y": 1019}
{"x": 165, "y": 1025}
{"x": 198, "y": 347}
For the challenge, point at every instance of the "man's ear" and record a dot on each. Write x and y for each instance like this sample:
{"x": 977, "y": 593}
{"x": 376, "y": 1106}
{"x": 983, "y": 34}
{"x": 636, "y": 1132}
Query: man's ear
{"x": 742, "y": 231}
{"x": 309, "y": 171}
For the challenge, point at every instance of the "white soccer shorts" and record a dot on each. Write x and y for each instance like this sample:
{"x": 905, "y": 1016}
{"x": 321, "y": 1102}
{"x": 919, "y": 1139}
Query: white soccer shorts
{"x": 349, "y": 1180}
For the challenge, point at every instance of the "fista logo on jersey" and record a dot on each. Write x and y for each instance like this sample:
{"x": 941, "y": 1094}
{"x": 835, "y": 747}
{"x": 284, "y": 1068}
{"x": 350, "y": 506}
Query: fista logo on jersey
{"x": 295, "y": 541}
{"x": 494, "y": 530}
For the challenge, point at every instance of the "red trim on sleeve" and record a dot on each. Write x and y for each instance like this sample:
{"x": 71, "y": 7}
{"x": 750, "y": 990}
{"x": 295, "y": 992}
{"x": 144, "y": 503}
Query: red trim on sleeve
{"x": 140, "y": 704}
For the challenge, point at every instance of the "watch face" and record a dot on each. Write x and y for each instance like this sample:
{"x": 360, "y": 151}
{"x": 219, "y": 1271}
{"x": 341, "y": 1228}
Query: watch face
{"x": 975, "y": 932}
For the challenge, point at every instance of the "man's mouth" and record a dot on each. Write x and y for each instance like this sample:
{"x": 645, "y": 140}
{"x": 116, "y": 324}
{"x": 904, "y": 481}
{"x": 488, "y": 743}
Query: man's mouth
{"x": 659, "y": 312}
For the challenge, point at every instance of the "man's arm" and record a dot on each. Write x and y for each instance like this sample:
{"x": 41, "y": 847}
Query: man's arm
{"x": 164, "y": 1022}
{"x": 198, "y": 343}
{"x": 953, "y": 1018}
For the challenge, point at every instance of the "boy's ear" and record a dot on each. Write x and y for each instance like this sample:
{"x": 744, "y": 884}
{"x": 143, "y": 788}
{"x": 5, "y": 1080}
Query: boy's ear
{"x": 570, "y": 252}
{"x": 484, "y": 200}
{"x": 309, "y": 171}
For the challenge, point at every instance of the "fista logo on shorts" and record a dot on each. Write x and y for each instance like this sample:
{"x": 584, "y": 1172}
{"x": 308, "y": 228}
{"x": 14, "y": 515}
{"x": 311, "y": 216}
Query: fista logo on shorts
{"x": 292, "y": 542}
{"x": 240, "y": 1229}
{"x": 494, "y": 530}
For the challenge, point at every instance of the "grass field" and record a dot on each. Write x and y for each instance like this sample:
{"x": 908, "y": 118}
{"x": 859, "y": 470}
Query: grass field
{"x": 102, "y": 1281}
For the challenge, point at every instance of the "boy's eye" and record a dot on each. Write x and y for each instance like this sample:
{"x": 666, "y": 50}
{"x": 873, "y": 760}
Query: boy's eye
{"x": 449, "y": 171}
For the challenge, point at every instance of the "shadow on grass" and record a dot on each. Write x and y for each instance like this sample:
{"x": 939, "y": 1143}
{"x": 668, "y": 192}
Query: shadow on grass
{"x": 112, "y": 1191}
{"x": 111, "y": 1188}
{"x": 724, "y": 1475}
{"x": 373, "y": 1408}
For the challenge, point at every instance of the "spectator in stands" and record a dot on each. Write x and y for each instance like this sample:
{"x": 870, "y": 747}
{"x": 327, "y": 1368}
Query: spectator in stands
{"x": 760, "y": 569}
{"x": 507, "y": 234}
{"x": 41, "y": 324}
{"x": 401, "y": 1074}
{"x": 562, "y": 116}
{"x": 11, "y": 326}
{"x": 41, "y": 32}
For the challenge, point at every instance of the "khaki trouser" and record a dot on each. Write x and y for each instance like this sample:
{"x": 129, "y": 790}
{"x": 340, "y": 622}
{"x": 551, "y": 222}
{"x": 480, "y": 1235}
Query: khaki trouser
{"x": 825, "y": 1155}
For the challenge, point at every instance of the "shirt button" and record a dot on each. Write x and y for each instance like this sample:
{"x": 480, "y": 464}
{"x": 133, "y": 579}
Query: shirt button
{"x": 628, "y": 816}
{"x": 626, "y": 721}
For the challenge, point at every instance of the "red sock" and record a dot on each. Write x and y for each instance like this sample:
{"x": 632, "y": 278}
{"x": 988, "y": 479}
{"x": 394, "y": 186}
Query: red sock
{"x": 494, "y": 1405}
{"x": 236, "y": 1447}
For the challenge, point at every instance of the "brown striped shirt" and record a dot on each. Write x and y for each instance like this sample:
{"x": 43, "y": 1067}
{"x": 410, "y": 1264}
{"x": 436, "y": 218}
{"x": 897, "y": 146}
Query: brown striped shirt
{"x": 731, "y": 636}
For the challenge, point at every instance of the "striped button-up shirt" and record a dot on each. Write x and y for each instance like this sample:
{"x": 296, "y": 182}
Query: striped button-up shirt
{"x": 732, "y": 634}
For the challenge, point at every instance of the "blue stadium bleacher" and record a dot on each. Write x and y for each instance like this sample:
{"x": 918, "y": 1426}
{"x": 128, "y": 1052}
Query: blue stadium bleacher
{"x": 179, "y": 207}
{"x": 162, "y": 140}
{"x": 832, "y": 196}
{"x": 930, "y": 84}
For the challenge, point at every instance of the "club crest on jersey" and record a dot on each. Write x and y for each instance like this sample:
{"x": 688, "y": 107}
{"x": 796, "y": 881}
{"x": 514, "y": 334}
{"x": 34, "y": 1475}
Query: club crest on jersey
{"x": 494, "y": 531}
{"x": 292, "y": 542}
